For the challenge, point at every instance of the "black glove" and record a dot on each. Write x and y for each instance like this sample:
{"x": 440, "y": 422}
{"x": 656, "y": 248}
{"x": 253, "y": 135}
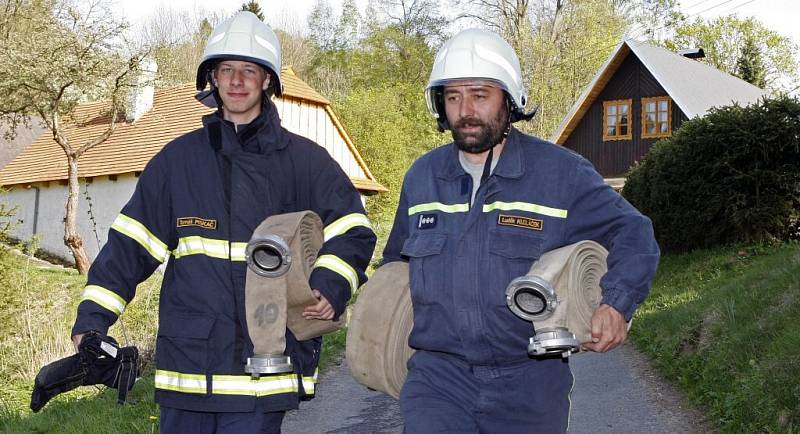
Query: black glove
{"x": 100, "y": 360}
{"x": 58, "y": 377}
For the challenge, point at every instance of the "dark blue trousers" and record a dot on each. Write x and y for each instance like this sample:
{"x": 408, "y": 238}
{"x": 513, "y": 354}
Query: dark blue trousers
{"x": 443, "y": 394}
{"x": 175, "y": 421}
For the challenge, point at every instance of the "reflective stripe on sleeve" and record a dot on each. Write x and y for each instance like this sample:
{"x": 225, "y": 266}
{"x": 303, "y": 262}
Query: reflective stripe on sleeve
{"x": 195, "y": 245}
{"x": 339, "y": 267}
{"x": 108, "y": 299}
{"x": 138, "y": 232}
{"x": 346, "y": 223}
{"x": 525, "y": 206}
{"x": 438, "y": 206}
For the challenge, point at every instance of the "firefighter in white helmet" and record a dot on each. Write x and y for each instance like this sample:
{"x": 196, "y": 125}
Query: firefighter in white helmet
{"x": 195, "y": 207}
{"x": 474, "y": 215}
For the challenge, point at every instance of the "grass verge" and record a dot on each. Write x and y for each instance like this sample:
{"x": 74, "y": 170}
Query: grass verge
{"x": 725, "y": 325}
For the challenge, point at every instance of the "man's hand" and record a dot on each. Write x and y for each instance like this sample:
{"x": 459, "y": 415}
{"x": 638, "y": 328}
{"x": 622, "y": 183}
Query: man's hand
{"x": 608, "y": 329}
{"x": 76, "y": 340}
{"x": 321, "y": 310}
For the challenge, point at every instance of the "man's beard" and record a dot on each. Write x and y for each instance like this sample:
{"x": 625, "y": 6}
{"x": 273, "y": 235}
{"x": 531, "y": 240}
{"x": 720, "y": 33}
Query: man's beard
{"x": 490, "y": 133}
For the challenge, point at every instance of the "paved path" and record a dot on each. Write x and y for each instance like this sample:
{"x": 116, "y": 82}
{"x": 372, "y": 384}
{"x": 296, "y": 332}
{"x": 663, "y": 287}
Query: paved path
{"x": 616, "y": 392}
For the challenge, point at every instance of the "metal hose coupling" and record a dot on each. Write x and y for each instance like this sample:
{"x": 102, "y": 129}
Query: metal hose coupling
{"x": 280, "y": 256}
{"x": 559, "y": 295}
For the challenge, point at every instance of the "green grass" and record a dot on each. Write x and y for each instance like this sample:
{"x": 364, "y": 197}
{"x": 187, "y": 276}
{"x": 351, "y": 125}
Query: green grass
{"x": 725, "y": 325}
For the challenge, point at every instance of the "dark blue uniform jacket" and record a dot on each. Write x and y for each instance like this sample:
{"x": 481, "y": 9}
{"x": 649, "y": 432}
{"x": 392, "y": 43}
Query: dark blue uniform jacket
{"x": 539, "y": 197}
{"x": 195, "y": 206}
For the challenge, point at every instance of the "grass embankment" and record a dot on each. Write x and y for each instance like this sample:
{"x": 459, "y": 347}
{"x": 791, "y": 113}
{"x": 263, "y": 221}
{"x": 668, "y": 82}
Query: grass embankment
{"x": 725, "y": 325}
{"x": 37, "y": 310}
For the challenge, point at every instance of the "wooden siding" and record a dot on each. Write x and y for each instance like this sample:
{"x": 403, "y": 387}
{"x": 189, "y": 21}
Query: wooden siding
{"x": 614, "y": 158}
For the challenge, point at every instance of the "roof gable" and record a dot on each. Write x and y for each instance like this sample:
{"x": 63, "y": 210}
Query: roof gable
{"x": 694, "y": 86}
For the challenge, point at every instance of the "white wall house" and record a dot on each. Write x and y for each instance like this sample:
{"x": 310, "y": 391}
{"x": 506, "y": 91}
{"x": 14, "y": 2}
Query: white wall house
{"x": 36, "y": 178}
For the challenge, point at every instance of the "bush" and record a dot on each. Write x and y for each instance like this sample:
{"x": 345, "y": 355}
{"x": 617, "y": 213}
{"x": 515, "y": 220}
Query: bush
{"x": 731, "y": 176}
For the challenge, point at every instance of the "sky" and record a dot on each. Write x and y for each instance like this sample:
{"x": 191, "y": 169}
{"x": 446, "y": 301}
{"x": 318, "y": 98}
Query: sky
{"x": 782, "y": 16}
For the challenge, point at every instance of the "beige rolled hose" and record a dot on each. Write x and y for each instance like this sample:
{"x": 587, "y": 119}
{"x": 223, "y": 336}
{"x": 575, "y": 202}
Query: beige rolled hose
{"x": 382, "y": 317}
{"x": 302, "y": 233}
{"x": 377, "y": 337}
{"x": 575, "y": 272}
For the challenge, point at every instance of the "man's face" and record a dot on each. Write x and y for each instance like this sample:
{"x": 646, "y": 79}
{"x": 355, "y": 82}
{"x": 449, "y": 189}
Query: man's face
{"x": 477, "y": 114}
{"x": 240, "y": 86}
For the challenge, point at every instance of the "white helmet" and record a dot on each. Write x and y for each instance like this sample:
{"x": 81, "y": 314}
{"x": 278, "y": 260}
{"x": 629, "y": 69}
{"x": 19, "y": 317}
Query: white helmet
{"x": 243, "y": 37}
{"x": 477, "y": 54}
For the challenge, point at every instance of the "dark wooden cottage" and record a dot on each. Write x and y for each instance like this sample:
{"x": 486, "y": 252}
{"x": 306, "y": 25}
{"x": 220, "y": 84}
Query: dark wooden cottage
{"x": 641, "y": 94}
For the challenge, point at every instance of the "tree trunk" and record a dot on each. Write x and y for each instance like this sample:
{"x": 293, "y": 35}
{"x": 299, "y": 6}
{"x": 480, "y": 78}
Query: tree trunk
{"x": 72, "y": 238}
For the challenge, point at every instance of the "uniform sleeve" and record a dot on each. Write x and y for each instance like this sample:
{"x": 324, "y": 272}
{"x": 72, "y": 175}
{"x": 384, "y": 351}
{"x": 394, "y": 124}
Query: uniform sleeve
{"x": 349, "y": 239}
{"x": 138, "y": 242}
{"x": 399, "y": 233}
{"x": 599, "y": 213}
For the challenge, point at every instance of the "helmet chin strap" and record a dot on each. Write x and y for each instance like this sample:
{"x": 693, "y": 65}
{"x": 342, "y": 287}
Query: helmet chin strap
{"x": 487, "y": 166}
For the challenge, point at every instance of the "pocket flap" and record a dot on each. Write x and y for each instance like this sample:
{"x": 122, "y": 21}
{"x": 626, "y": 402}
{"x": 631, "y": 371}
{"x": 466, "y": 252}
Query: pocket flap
{"x": 421, "y": 245}
{"x": 185, "y": 325}
{"x": 515, "y": 245}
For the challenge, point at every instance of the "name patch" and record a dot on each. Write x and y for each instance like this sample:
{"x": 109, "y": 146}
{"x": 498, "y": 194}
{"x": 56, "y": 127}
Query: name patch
{"x": 520, "y": 222}
{"x": 426, "y": 221}
{"x": 197, "y": 221}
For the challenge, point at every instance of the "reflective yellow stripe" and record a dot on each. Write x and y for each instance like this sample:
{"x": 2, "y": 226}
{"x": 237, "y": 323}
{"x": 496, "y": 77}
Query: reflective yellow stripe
{"x": 524, "y": 206}
{"x": 346, "y": 223}
{"x": 195, "y": 245}
{"x": 140, "y": 234}
{"x": 339, "y": 267}
{"x": 180, "y": 382}
{"x": 237, "y": 251}
{"x": 245, "y": 385}
{"x": 310, "y": 383}
{"x": 226, "y": 384}
{"x": 108, "y": 299}
{"x": 438, "y": 206}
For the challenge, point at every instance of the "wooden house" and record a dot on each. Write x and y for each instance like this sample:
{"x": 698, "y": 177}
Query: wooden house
{"x": 641, "y": 94}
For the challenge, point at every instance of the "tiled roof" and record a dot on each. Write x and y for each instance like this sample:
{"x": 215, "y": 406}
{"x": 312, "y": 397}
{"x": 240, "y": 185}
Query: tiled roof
{"x": 132, "y": 145}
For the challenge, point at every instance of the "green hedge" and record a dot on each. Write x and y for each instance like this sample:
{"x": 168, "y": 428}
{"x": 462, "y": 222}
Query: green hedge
{"x": 731, "y": 176}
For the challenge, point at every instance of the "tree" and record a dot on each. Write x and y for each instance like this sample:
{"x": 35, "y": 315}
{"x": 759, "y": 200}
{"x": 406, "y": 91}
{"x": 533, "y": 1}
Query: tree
{"x": 749, "y": 65}
{"x": 253, "y": 6}
{"x": 723, "y": 38}
{"x": 176, "y": 40}
{"x": 54, "y": 55}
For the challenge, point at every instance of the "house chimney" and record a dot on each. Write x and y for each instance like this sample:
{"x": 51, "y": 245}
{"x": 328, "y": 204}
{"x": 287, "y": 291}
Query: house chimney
{"x": 693, "y": 53}
{"x": 140, "y": 98}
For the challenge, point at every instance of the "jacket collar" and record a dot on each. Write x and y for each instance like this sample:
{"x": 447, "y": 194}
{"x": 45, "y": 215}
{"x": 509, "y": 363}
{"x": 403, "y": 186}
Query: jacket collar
{"x": 510, "y": 164}
{"x": 265, "y": 131}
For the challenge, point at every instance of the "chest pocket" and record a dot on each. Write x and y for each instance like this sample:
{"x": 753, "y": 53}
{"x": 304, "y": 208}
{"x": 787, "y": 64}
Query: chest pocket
{"x": 512, "y": 254}
{"x": 426, "y": 265}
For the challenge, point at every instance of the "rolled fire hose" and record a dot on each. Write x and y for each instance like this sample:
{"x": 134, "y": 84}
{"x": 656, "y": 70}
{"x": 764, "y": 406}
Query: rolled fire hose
{"x": 382, "y": 317}
{"x": 559, "y": 296}
{"x": 280, "y": 256}
{"x": 377, "y": 337}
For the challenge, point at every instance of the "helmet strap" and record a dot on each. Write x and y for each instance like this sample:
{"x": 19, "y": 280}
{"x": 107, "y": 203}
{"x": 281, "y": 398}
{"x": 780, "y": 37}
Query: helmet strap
{"x": 487, "y": 166}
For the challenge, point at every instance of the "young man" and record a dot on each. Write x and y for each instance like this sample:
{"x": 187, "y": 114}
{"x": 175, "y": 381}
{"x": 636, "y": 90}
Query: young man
{"x": 195, "y": 207}
{"x": 471, "y": 371}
